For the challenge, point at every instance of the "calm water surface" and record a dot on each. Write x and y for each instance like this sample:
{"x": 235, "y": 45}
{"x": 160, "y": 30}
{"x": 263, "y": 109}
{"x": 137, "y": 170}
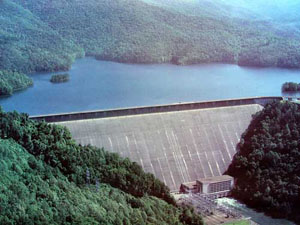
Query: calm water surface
{"x": 104, "y": 85}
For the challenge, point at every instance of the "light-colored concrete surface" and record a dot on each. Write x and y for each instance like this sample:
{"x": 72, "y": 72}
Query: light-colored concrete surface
{"x": 176, "y": 147}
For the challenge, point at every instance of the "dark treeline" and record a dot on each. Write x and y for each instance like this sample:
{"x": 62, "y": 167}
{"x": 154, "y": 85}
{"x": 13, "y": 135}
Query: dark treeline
{"x": 267, "y": 165}
{"x": 13, "y": 81}
{"x": 44, "y": 180}
{"x": 290, "y": 87}
{"x": 60, "y": 78}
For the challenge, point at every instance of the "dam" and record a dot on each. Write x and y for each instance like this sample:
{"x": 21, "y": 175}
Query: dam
{"x": 178, "y": 143}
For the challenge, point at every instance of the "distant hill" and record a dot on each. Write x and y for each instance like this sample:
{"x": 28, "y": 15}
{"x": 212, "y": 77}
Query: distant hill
{"x": 214, "y": 8}
{"x": 28, "y": 44}
{"x": 132, "y": 31}
{"x": 50, "y": 34}
{"x": 278, "y": 10}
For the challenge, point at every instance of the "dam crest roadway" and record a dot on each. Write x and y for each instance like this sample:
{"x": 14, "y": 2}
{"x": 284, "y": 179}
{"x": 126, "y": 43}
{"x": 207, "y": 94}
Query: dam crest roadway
{"x": 178, "y": 143}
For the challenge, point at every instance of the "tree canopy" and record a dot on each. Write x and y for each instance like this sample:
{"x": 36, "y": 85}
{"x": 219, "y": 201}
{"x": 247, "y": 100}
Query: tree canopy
{"x": 13, "y": 81}
{"x": 46, "y": 178}
{"x": 290, "y": 87}
{"x": 267, "y": 164}
{"x": 60, "y": 78}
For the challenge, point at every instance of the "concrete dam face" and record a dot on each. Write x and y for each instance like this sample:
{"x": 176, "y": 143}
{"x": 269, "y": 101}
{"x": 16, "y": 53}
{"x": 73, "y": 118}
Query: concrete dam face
{"x": 177, "y": 146}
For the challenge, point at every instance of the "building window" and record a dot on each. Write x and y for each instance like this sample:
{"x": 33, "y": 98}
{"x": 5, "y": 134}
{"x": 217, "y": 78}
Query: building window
{"x": 220, "y": 186}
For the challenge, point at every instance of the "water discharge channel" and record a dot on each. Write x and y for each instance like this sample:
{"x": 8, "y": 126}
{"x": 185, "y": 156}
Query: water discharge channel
{"x": 257, "y": 217}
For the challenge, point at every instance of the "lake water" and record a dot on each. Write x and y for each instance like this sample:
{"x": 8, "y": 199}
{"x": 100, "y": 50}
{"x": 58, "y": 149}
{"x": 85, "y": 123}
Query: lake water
{"x": 104, "y": 85}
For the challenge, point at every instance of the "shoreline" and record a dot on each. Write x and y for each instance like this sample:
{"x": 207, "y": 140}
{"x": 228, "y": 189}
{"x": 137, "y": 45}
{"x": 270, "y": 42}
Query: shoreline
{"x": 160, "y": 63}
{"x": 190, "y": 64}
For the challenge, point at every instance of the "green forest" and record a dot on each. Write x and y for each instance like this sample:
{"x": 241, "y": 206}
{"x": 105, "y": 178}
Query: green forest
{"x": 290, "y": 87}
{"x": 51, "y": 34}
{"x": 13, "y": 81}
{"x": 60, "y": 78}
{"x": 48, "y": 179}
{"x": 267, "y": 165}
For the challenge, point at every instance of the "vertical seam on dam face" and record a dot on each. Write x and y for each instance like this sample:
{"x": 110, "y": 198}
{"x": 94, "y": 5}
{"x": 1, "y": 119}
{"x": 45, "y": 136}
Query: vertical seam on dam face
{"x": 177, "y": 147}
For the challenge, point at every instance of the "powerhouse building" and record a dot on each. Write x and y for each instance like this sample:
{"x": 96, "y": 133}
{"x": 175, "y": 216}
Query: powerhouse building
{"x": 218, "y": 186}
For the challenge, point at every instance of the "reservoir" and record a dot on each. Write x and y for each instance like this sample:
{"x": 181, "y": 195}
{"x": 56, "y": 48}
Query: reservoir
{"x": 96, "y": 85}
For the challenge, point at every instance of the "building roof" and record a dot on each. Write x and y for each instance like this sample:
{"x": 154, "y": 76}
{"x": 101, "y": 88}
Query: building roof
{"x": 190, "y": 185}
{"x": 216, "y": 179}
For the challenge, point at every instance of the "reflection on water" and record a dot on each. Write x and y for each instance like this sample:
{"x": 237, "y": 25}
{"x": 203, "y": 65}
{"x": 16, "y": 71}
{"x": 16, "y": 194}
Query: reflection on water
{"x": 102, "y": 85}
{"x": 257, "y": 217}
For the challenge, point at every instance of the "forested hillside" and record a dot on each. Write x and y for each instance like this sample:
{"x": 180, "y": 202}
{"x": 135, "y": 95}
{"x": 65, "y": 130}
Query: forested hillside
{"x": 267, "y": 165}
{"x": 13, "y": 81}
{"x": 47, "y": 179}
{"x": 28, "y": 44}
{"x": 134, "y": 31}
{"x": 283, "y": 11}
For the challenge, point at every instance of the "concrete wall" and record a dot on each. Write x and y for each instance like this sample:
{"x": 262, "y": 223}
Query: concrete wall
{"x": 152, "y": 109}
{"x": 177, "y": 147}
{"x": 178, "y": 143}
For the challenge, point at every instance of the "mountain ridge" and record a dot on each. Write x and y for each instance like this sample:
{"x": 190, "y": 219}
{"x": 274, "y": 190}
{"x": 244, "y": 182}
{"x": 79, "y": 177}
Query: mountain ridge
{"x": 136, "y": 32}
